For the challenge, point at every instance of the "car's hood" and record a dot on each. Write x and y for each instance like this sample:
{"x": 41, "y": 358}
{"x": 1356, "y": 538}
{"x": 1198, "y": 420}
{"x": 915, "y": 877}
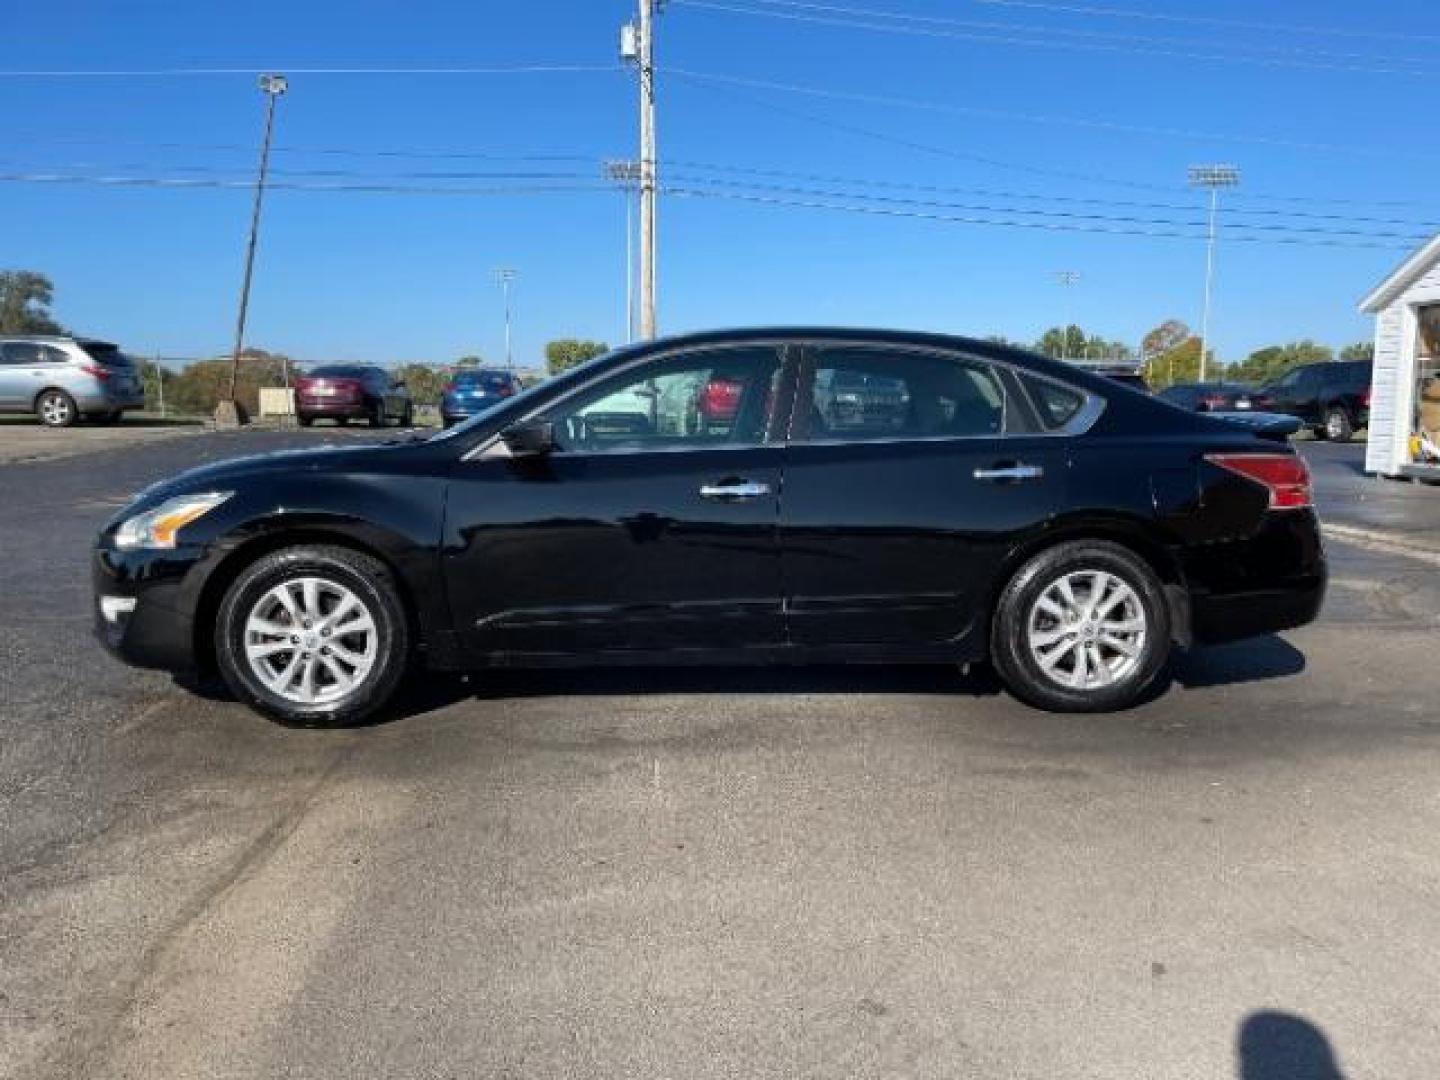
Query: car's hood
{"x": 223, "y": 475}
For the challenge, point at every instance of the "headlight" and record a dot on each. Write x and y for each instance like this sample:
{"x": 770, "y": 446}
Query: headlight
{"x": 157, "y": 528}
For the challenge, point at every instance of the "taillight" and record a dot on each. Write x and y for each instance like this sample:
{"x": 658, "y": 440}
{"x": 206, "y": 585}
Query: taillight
{"x": 1213, "y": 401}
{"x": 99, "y": 372}
{"x": 505, "y": 391}
{"x": 1285, "y": 476}
{"x": 1365, "y": 399}
{"x": 449, "y": 388}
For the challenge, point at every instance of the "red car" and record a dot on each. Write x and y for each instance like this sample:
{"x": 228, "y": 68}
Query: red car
{"x": 344, "y": 392}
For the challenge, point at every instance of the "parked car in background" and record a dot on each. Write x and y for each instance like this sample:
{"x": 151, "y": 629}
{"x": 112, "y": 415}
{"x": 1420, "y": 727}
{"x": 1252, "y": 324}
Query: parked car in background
{"x": 62, "y": 379}
{"x": 851, "y": 399}
{"x": 473, "y": 391}
{"x": 1332, "y": 399}
{"x": 345, "y": 392}
{"x": 1018, "y": 509}
{"x": 1215, "y": 397}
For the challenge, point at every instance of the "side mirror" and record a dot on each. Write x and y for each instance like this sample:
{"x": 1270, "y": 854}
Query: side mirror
{"x": 534, "y": 438}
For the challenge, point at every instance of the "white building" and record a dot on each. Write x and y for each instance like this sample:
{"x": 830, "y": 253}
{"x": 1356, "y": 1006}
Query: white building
{"x": 1405, "y": 394}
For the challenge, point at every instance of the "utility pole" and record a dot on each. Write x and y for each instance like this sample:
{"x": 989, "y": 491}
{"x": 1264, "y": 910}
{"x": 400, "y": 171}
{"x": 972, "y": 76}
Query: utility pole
{"x": 637, "y": 45}
{"x": 227, "y": 413}
{"x": 505, "y": 275}
{"x": 1066, "y": 278}
{"x": 1213, "y": 177}
{"x": 627, "y": 175}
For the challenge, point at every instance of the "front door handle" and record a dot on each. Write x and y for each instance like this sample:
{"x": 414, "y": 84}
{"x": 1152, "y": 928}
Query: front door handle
{"x": 734, "y": 490}
{"x": 1010, "y": 473}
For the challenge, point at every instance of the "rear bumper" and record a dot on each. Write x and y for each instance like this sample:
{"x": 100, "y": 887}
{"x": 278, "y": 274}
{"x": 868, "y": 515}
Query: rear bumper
{"x": 1270, "y": 581}
{"x": 330, "y": 409}
{"x": 109, "y": 400}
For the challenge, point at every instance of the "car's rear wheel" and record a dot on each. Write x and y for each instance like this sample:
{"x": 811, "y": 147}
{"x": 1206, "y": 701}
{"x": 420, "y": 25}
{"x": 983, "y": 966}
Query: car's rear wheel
{"x": 407, "y": 418}
{"x": 1338, "y": 427}
{"x": 56, "y": 409}
{"x": 304, "y": 421}
{"x": 377, "y": 415}
{"x": 1082, "y": 627}
{"x": 313, "y": 636}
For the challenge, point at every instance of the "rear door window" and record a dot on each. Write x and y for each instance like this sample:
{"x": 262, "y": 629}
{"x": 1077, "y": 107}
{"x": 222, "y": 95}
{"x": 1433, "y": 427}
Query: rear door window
{"x": 867, "y": 393}
{"x": 24, "y": 352}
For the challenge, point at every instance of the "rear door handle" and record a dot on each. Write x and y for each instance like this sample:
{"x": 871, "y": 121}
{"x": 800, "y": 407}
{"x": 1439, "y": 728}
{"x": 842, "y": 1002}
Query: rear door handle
{"x": 734, "y": 490}
{"x": 1010, "y": 473}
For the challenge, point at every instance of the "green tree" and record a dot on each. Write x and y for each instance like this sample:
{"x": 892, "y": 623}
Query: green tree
{"x": 200, "y": 386}
{"x": 1179, "y": 364}
{"x": 1062, "y": 342}
{"x": 1163, "y": 338}
{"x": 25, "y": 299}
{"x": 1267, "y": 364}
{"x": 471, "y": 361}
{"x": 426, "y": 382}
{"x": 566, "y": 353}
{"x": 1360, "y": 350}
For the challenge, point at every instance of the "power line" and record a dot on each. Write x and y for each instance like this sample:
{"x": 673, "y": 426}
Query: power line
{"x": 1206, "y": 20}
{"x": 1033, "y": 118}
{"x": 1063, "y": 215}
{"x": 509, "y": 69}
{"x": 889, "y": 212}
{"x": 1010, "y": 27}
{"x": 1056, "y": 39}
{"x": 706, "y": 82}
{"x": 706, "y": 189}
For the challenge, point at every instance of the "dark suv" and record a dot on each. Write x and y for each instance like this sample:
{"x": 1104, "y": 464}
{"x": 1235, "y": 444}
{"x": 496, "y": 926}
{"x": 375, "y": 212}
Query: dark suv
{"x": 1333, "y": 399}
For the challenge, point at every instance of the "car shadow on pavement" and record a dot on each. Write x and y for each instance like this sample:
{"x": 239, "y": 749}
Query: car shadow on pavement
{"x": 1283, "y": 1046}
{"x": 429, "y": 691}
{"x": 1253, "y": 660}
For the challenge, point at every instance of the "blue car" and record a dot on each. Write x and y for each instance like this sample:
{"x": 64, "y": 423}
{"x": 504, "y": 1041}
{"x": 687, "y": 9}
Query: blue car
{"x": 472, "y": 392}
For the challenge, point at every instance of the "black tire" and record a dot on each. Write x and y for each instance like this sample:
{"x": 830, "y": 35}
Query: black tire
{"x": 369, "y": 580}
{"x": 56, "y": 409}
{"x": 303, "y": 420}
{"x": 407, "y": 418}
{"x": 1010, "y": 649}
{"x": 1338, "y": 427}
{"x": 377, "y": 415}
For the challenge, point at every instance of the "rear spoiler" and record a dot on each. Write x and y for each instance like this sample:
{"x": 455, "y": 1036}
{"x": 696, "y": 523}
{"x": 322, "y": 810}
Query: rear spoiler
{"x": 1276, "y": 426}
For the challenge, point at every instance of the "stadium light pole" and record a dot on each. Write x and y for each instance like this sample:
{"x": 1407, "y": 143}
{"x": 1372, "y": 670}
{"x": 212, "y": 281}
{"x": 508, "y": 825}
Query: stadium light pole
{"x": 1066, "y": 278}
{"x": 626, "y": 174}
{"x": 1213, "y": 177}
{"x": 505, "y": 275}
{"x": 227, "y": 413}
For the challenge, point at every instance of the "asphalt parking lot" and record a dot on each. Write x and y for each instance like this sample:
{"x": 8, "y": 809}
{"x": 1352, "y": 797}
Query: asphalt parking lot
{"x": 726, "y": 873}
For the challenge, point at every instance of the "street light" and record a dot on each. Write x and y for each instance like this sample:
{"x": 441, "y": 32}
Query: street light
{"x": 227, "y": 412}
{"x": 1066, "y": 278}
{"x": 1213, "y": 177}
{"x": 504, "y": 275}
{"x": 627, "y": 175}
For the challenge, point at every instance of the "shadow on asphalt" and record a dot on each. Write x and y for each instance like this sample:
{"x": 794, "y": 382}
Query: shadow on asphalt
{"x": 1249, "y": 661}
{"x": 1282, "y": 1046}
{"x": 1254, "y": 660}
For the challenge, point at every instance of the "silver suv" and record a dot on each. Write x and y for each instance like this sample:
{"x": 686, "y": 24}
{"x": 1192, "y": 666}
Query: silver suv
{"x": 61, "y": 379}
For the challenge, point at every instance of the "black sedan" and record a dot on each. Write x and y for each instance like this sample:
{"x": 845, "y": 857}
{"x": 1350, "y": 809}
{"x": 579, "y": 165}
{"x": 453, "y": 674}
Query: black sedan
{"x": 1070, "y": 530}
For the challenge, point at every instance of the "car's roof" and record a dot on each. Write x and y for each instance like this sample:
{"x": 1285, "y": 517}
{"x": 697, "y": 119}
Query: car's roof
{"x": 61, "y": 339}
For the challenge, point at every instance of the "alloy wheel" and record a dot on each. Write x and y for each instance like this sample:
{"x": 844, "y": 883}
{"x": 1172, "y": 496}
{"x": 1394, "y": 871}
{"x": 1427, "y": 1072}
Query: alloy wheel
{"x": 55, "y": 410}
{"x": 311, "y": 640}
{"x": 1087, "y": 630}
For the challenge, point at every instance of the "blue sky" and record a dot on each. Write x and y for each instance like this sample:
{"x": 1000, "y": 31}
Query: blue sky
{"x": 407, "y": 276}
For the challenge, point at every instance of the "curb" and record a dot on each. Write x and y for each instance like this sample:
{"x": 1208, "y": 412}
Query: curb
{"x": 1385, "y": 541}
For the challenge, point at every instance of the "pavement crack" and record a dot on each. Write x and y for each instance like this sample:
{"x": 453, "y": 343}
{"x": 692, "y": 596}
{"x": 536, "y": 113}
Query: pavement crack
{"x": 86, "y": 1053}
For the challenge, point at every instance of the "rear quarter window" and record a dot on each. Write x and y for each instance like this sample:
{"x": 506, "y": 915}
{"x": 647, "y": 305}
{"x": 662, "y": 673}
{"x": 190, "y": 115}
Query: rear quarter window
{"x": 106, "y": 355}
{"x": 1056, "y": 403}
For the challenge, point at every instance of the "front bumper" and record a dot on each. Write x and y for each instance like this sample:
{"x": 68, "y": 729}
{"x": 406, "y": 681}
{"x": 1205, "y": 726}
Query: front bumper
{"x": 143, "y": 606}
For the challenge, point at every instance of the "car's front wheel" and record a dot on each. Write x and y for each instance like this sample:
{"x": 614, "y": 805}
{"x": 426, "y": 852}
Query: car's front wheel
{"x": 313, "y": 636}
{"x": 1081, "y": 627}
